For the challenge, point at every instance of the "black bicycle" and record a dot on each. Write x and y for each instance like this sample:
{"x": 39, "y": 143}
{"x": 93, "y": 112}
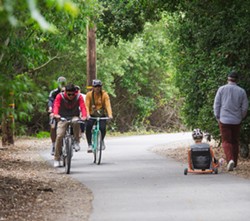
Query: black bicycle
{"x": 68, "y": 143}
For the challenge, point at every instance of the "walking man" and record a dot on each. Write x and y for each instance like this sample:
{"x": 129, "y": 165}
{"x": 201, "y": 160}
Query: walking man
{"x": 230, "y": 108}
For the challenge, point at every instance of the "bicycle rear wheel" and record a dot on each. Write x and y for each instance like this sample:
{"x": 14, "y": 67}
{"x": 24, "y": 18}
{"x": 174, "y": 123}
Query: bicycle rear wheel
{"x": 68, "y": 146}
{"x": 99, "y": 148}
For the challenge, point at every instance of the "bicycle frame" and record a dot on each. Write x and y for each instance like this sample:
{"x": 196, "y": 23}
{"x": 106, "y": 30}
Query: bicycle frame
{"x": 68, "y": 143}
{"x": 97, "y": 139}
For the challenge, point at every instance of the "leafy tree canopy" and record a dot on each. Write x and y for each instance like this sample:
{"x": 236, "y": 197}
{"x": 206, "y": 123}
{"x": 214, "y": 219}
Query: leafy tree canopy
{"x": 124, "y": 19}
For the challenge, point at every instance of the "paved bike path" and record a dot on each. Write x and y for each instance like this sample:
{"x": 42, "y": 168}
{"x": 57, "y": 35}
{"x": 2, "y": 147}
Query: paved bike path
{"x": 135, "y": 184}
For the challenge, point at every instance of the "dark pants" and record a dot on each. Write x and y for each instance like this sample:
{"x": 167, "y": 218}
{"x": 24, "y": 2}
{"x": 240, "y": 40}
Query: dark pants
{"x": 230, "y": 135}
{"x": 89, "y": 126}
{"x": 82, "y": 126}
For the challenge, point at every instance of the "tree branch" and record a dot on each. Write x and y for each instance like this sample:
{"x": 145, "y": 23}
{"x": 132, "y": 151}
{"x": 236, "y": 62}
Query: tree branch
{"x": 43, "y": 65}
{"x": 6, "y": 44}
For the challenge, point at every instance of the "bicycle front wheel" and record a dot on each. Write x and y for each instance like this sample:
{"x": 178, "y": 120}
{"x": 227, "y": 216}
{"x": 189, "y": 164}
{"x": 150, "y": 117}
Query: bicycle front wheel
{"x": 99, "y": 148}
{"x": 68, "y": 146}
{"x": 64, "y": 154}
{"x": 94, "y": 141}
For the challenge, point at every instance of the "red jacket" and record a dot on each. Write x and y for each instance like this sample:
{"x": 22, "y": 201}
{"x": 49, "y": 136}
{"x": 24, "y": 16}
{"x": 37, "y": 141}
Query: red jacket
{"x": 69, "y": 108}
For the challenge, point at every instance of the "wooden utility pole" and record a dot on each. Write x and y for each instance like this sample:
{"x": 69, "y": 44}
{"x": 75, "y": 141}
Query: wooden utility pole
{"x": 7, "y": 120}
{"x": 91, "y": 56}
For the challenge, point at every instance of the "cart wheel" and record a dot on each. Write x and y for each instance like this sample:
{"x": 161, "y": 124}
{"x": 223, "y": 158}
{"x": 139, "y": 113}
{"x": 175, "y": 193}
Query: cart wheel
{"x": 216, "y": 170}
{"x": 185, "y": 171}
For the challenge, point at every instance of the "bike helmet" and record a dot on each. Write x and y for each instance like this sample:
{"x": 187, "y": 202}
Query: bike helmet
{"x": 77, "y": 87}
{"x": 96, "y": 83}
{"x": 61, "y": 79}
{"x": 197, "y": 134}
{"x": 70, "y": 87}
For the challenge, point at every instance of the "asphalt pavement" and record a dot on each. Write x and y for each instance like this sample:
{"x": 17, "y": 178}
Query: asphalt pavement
{"x": 135, "y": 184}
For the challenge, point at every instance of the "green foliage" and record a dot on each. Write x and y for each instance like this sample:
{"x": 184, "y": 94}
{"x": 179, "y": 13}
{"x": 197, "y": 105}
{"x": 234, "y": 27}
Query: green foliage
{"x": 140, "y": 71}
{"x": 193, "y": 47}
{"x": 14, "y": 11}
{"x": 43, "y": 134}
{"x": 125, "y": 19}
{"x": 31, "y": 58}
{"x": 138, "y": 75}
{"x": 212, "y": 38}
{"x": 29, "y": 103}
{"x": 23, "y": 94}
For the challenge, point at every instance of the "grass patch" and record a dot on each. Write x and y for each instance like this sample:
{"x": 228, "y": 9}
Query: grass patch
{"x": 43, "y": 134}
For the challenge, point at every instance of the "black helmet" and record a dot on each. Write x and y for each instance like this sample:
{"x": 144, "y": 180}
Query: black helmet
{"x": 70, "y": 87}
{"x": 96, "y": 83}
{"x": 197, "y": 134}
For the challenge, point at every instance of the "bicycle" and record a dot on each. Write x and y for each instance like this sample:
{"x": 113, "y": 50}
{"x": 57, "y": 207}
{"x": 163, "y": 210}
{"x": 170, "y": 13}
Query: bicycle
{"x": 68, "y": 144}
{"x": 97, "y": 145}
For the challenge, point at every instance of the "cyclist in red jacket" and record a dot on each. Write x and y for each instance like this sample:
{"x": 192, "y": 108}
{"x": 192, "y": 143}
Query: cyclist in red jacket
{"x": 68, "y": 105}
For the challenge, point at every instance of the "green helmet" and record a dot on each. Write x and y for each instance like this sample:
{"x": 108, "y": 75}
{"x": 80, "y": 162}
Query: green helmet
{"x": 61, "y": 81}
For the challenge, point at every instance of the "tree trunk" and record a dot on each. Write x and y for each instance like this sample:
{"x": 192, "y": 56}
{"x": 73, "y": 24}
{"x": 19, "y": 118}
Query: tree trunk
{"x": 91, "y": 56}
{"x": 7, "y": 132}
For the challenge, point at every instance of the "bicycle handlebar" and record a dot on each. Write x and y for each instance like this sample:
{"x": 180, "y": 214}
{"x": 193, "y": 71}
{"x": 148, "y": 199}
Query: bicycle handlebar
{"x": 70, "y": 120}
{"x": 99, "y": 118}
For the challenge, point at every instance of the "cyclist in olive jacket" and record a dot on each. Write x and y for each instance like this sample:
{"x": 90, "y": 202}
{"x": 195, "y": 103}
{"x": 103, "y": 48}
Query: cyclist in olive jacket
{"x": 97, "y": 105}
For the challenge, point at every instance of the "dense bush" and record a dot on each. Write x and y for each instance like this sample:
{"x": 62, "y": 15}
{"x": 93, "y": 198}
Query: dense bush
{"x": 213, "y": 39}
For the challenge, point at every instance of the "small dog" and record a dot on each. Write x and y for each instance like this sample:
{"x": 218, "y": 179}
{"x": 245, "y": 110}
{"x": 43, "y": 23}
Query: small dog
{"x": 207, "y": 136}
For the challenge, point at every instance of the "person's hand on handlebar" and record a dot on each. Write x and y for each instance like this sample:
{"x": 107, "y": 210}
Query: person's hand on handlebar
{"x": 50, "y": 110}
{"x": 83, "y": 118}
{"x": 57, "y": 116}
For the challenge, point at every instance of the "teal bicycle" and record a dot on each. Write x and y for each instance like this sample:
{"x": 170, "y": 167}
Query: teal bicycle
{"x": 97, "y": 145}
